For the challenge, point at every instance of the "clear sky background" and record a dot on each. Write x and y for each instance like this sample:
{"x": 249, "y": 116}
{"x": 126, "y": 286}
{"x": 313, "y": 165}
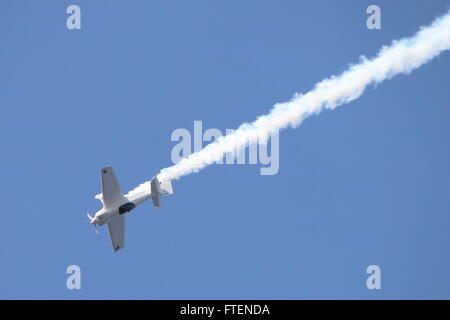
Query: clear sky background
{"x": 367, "y": 183}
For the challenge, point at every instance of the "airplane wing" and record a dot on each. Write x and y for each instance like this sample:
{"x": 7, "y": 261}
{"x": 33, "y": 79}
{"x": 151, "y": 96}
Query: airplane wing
{"x": 110, "y": 187}
{"x": 116, "y": 229}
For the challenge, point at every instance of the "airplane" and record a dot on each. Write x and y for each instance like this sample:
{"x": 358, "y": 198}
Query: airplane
{"x": 116, "y": 204}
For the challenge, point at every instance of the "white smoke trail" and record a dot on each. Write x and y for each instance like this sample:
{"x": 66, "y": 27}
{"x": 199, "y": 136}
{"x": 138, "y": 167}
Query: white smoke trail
{"x": 402, "y": 56}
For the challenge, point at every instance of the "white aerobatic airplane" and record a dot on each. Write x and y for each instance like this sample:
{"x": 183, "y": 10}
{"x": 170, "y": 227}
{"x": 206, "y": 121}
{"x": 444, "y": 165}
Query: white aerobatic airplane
{"x": 116, "y": 204}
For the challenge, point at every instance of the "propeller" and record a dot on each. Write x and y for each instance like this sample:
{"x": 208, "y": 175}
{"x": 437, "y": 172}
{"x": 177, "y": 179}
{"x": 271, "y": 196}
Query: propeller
{"x": 92, "y": 221}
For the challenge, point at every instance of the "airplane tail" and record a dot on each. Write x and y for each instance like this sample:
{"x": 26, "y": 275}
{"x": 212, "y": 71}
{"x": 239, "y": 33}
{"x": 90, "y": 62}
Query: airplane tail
{"x": 166, "y": 188}
{"x": 158, "y": 188}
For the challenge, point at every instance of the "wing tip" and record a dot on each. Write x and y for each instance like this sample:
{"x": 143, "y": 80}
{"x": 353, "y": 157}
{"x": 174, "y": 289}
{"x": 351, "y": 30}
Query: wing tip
{"x": 117, "y": 248}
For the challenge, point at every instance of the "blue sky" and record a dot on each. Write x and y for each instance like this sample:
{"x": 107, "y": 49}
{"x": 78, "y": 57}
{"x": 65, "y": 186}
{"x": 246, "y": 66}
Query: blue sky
{"x": 364, "y": 184}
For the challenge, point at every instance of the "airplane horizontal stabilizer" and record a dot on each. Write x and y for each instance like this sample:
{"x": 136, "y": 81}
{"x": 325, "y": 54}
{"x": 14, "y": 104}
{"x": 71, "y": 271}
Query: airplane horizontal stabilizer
{"x": 156, "y": 190}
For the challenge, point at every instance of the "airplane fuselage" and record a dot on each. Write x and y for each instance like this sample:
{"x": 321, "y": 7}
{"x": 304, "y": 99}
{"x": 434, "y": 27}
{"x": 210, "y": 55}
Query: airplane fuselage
{"x": 126, "y": 204}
